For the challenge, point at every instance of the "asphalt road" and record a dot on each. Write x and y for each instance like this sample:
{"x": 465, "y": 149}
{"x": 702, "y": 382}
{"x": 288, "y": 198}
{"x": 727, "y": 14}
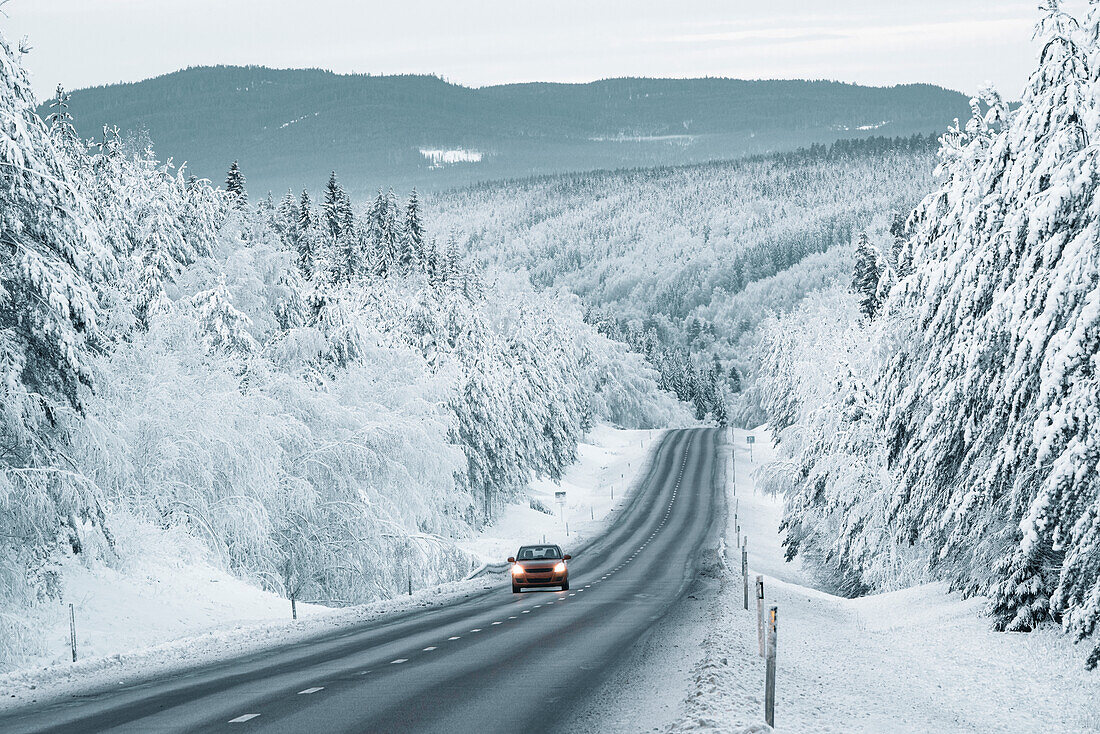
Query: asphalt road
{"x": 494, "y": 662}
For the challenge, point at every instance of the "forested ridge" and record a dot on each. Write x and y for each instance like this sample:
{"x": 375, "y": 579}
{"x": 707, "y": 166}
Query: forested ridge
{"x": 284, "y": 125}
{"x": 939, "y": 419}
{"x": 312, "y": 391}
{"x": 684, "y": 263}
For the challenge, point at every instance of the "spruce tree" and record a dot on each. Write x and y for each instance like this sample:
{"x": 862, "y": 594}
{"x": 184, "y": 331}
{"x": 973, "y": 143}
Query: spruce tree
{"x": 865, "y": 279}
{"x": 412, "y": 251}
{"x": 234, "y": 186}
{"x": 307, "y": 238}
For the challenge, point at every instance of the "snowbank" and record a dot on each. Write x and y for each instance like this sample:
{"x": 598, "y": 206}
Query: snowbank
{"x": 915, "y": 660}
{"x": 171, "y": 608}
{"x": 608, "y": 461}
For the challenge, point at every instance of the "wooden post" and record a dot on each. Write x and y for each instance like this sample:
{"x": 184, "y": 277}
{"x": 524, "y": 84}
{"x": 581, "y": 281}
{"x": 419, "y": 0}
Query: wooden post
{"x": 293, "y": 608}
{"x": 745, "y": 571}
{"x": 769, "y": 679}
{"x": 760, "y": 614}
{"x": 72, "y": 630}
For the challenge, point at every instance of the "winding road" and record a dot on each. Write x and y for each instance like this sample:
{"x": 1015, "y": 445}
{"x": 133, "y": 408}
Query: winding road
{"x": 492, "y": 662}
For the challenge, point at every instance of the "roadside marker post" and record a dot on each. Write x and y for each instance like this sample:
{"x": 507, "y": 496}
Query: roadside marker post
{"x": 72, "y": 630}
{"x": 769, "y": 679}
{"x": 745, "y": 570}
{"x": 293, "y": 608}
{"x": 750, "y": 440}
{"x": 760, "y": 614}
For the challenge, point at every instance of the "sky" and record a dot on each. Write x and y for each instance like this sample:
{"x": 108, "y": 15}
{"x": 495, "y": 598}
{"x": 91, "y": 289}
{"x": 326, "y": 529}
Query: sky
{"x": 959, "y": 44}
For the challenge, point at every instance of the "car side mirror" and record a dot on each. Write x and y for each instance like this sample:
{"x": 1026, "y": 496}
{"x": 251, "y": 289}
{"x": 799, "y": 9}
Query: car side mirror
{"x": 567, "y": 556}
{"x": 511, "y": 559}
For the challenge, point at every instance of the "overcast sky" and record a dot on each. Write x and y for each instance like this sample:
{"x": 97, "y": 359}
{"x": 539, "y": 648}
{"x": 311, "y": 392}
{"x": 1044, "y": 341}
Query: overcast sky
{"x": 955, "y": 43}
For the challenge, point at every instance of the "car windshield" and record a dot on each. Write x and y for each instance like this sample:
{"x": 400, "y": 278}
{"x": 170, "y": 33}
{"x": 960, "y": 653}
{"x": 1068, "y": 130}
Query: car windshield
{"x": 539, "y": 553}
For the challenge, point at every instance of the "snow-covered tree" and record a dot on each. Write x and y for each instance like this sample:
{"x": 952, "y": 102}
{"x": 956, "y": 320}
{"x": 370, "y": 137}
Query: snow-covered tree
{"x": 412, "y": 234}
{"x": 224, "y": 328}
{"x": 865, "y": 279}
{"x": 52, "y": 254}
{"x": 234, "y": 185}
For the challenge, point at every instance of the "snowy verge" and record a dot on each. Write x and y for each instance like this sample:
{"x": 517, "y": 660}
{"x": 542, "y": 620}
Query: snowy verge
{"x": 171, "y": 608}
{"x": 609, "y": 462}
{"x": 915, "y": 660}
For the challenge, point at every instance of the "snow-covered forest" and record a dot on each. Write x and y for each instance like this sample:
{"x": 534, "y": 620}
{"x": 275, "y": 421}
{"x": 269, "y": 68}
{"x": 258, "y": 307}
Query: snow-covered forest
{"x": 684, "y": 263}
{"x": 312, "y": 391}
{"x": 939, "y": 418}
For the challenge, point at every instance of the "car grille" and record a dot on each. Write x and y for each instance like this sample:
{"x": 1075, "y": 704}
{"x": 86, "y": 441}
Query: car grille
{"x": 539, "y": 570}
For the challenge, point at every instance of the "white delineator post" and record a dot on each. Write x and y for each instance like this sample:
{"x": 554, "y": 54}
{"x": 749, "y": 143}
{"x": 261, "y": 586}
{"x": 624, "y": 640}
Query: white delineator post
{"x": 72, "y": 630}
{"x": 760, "y": 614}
{"x": 745, "y": 570}
{"x": 769, "y": 679}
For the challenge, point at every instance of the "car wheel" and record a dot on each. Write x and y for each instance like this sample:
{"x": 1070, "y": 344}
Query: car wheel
{"x": 515, "y": 589}
{"x": 565, "y": 586}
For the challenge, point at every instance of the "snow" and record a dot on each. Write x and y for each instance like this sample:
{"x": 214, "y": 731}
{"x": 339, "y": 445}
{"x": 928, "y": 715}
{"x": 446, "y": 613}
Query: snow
{"x": 609, "y": 459}
{"x": 916, "y": 660}
{"x": 439, "y": 158}
{"x": 170, "y": 607}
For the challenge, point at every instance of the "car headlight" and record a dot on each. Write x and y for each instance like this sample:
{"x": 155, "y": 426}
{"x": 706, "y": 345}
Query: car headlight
{"x": 517, "y": 570}
{"x": 560, "y": 568}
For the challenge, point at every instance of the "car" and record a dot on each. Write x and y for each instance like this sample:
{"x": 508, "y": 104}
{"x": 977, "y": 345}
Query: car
{"x": 539, "y": 565}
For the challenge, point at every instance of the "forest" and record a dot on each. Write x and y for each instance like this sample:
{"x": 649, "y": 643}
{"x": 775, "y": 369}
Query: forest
{"x": 937, "y": 413}
{"x": 311, "y": 390}
{"x": 285, "y": 125}
{"x": 685, "y": 263}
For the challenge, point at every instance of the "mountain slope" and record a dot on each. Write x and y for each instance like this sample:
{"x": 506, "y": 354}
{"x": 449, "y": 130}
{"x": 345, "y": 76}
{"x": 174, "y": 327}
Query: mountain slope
{"x": 288, "y": 128}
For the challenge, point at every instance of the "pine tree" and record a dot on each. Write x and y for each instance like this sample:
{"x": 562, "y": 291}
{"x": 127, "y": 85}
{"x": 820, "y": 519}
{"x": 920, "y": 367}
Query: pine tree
{"x": 60, "y": 121}
{"x": 285, "y": 221}
{"x": 865, "y": 279}
{"x": 992, "y": 401}
{"x": 383, "y": 234}
{"x": 52, "y": 253}
{"x": 452, "y": 262}
{"x": 234, "y": 186}
{"x": 332, "y": 208}
{"x": 306, "y": 235}
{"x": 412, "y": 252}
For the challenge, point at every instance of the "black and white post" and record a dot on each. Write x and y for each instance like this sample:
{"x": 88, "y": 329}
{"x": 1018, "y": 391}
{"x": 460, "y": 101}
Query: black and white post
{"x": 72, "y": 630}
{"x": 760, "y": 614}
{"x": 769, "y": 675}
{"x": 745, "y": 570}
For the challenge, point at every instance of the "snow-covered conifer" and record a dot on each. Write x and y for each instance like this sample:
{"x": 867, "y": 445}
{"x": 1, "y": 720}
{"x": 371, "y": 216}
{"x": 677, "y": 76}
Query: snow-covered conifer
{"x": 865, "y": 279}
{"x": 234, "y": 185}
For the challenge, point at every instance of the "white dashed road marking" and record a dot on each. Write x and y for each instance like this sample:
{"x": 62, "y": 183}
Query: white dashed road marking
{"x": 311, "y": 690}
{"x": 428, "y": 649}
{"x": 399, "y": 660}
{"x": 242, "y": 719}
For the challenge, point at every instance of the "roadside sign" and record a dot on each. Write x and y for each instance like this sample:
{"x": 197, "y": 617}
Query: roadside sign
{"x": 750, "y": 438}
{"x": 559, "y": 496}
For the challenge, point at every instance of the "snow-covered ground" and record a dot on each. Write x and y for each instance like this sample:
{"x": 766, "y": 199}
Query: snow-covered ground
{"x": 916, "y": 660}
{"x": 608, "y": 463}
{"x": 171, "y": 607}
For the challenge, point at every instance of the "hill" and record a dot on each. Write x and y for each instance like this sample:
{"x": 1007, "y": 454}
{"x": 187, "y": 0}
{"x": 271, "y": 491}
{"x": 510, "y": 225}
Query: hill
{"x": 288, "y": 128}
